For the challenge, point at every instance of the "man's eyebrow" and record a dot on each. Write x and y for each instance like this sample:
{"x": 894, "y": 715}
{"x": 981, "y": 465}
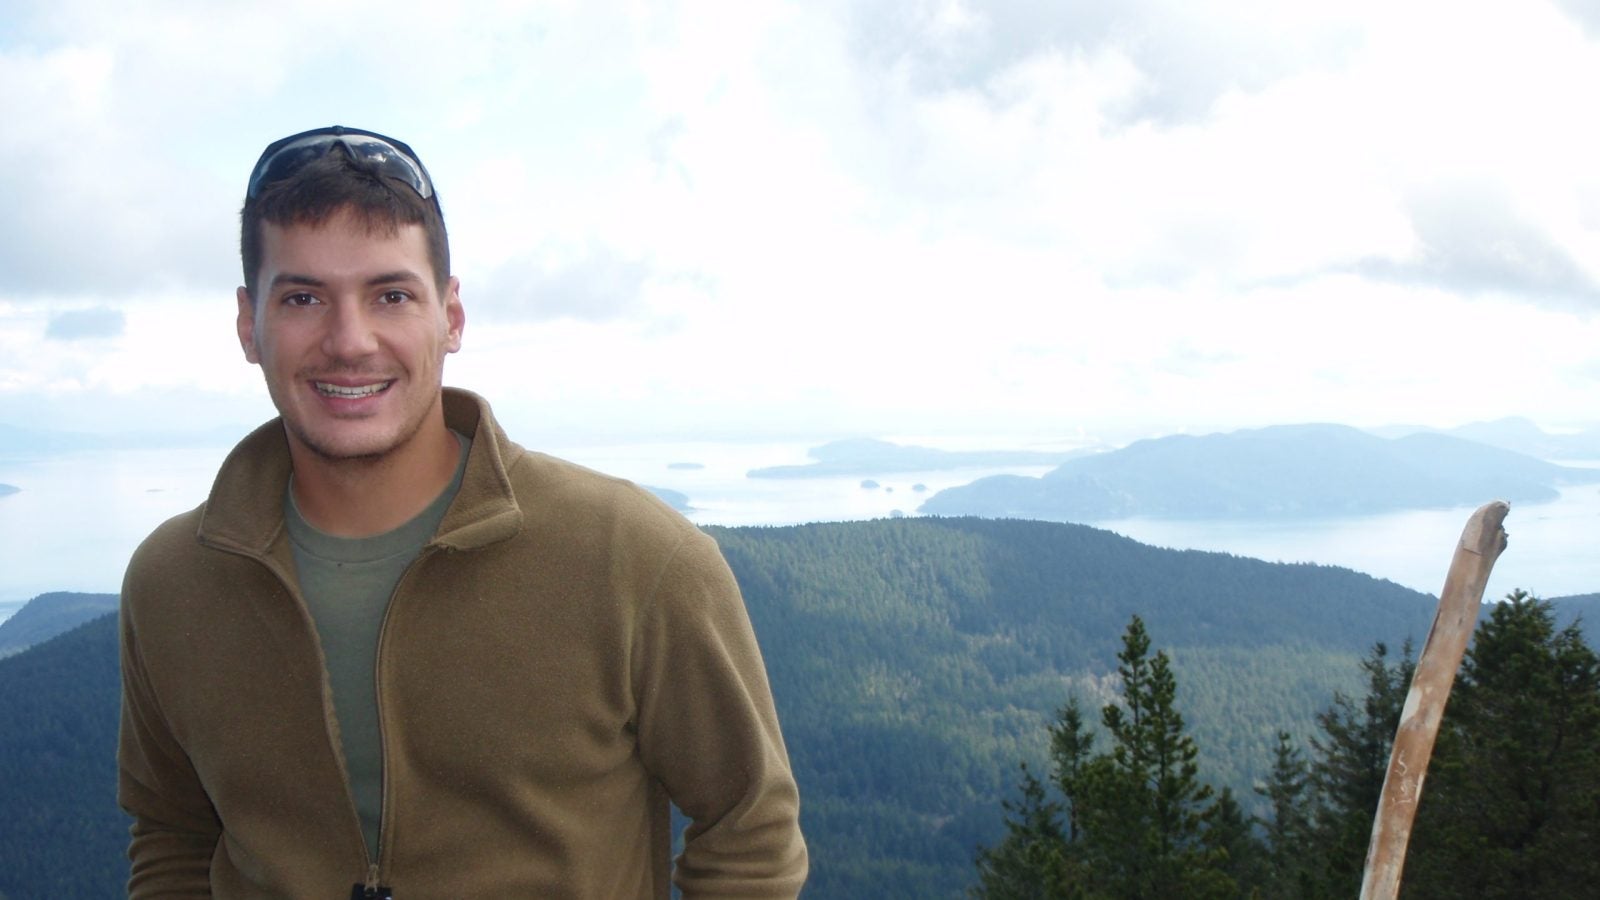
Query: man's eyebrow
{"x": 295, "y": 279}
{"x": 395, "y": 277}
{"x": 292, "y": 278}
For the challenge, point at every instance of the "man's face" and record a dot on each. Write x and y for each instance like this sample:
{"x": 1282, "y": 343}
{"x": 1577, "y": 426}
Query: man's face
{"x": 350, "y": 332}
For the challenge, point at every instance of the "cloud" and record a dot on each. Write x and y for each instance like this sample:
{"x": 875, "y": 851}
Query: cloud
{"x": 1188, "y": 55}
{"x": 1473, "y": 241}
{"x": 79, "y": 324}
{"x": 1584, "y": 12}
{"x": 128, "y": 137}
{"x": 95, "y": 204}
{"x": 595, "y": 284}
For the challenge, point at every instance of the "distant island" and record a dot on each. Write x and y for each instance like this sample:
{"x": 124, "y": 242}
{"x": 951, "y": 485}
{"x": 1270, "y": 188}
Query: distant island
{"x": 1289, "y": 471}
{"x": 865, "y": 456}
{"x": 48, "y": 615}
{"x": 1518, "y": 434}
{"x": 8, "y": 489}
{"x": 678, "y": 500}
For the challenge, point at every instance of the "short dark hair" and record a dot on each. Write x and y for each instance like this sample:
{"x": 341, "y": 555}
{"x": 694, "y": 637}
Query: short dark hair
{"x": 335, "y": 183}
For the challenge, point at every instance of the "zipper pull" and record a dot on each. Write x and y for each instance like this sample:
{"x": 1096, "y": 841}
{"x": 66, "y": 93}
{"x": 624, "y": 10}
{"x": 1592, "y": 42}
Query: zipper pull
{"x": 371, "y": 890}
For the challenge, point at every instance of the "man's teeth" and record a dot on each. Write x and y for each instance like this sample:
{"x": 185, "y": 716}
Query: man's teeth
{"x": 339, "y": 390}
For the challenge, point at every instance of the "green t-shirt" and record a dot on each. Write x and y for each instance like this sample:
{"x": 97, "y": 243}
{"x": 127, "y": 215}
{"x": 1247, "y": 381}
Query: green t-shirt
{"x": 347, "y": 583}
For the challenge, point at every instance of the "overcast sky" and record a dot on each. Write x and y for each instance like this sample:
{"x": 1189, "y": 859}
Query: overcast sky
{"x": 1109, "y": 218}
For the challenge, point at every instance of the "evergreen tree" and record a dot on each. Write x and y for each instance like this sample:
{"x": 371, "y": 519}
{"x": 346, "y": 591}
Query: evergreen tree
{"x": 1071, "y": 748}
{"x": 1032, "y": 862}
{"x": 1511, "y": 807}
{"x": 1353, "y": 758}
{"x": 1144, "y": 803}
{"x": 1137, "y": 815}
{"x": 1231, "y": 839}
{"x": 1287, "y": 870}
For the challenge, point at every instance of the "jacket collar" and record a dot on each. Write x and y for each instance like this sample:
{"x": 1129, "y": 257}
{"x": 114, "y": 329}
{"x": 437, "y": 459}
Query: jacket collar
{"x": 245, "y": 509}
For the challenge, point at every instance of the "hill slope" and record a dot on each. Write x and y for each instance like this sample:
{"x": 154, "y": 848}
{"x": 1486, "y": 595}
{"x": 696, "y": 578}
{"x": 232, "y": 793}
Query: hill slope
{"x": 917, "y": 661}
{"x": 914, "y": 661}
{"x": 62, "y": 834}
{"x": 48, "y": 615}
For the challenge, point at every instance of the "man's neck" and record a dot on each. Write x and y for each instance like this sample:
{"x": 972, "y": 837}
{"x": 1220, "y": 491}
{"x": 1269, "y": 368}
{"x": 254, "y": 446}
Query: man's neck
{"x": 364, "y": 496}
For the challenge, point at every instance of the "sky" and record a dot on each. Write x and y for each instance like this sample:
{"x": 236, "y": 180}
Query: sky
{"x": 1052, "y": 221}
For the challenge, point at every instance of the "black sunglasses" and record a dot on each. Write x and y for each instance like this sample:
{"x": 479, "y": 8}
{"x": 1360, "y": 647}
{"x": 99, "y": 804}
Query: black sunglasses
{"x": 284, "y": 157}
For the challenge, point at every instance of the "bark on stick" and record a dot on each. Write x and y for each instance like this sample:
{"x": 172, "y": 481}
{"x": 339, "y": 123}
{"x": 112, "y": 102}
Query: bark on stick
{"x": 1481, "y": 543}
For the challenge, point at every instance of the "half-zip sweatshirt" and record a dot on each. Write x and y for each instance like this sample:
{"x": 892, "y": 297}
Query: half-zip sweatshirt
{"x": 347, "y": 583}
{"x": 565, "y": 655}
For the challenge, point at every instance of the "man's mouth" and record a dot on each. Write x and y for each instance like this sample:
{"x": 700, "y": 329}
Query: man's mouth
{"x": 350, "y": 392}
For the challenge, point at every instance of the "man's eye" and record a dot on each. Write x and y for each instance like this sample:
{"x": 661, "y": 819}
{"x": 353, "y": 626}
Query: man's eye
{"x": 301, "y": 299}
{"x": 393, "y": 297}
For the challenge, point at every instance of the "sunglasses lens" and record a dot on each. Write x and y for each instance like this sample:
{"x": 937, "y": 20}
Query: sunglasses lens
{"x": 286, "y": 157}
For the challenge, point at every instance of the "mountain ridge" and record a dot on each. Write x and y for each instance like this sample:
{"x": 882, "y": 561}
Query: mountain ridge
{"x": 914, "y": 663}
{"x": 47, "y": 615}
{"x": 1283, "y": 471}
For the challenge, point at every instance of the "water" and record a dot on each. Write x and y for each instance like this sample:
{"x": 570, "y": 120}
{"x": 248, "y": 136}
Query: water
{"x": 1553, "y": 549}
{"x": 79, "y": 516}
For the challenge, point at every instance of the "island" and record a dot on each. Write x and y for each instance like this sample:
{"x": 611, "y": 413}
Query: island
{"x": 8, "y": 489}
{"x": 678, "y": 500}
{"x": 1287, "y": 471}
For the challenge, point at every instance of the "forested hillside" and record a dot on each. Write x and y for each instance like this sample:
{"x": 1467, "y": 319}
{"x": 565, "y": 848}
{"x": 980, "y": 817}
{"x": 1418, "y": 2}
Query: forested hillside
{"x": 1510, "y": 808}
{"x": 48, "y": 615}
{"x": 62, "y": 834}
{"x": 915, "y": 663}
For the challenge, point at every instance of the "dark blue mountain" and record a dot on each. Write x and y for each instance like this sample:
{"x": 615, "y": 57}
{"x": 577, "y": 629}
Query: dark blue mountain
{"x": 48, "y": 615}
{"x": 1286, "y": 471}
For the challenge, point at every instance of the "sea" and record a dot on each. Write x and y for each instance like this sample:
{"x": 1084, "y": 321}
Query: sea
{"x": 79, "y": 515}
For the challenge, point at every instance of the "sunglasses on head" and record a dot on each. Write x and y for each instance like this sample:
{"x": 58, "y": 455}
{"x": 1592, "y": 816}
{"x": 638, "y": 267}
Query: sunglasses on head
{"x": 284, "y": 157}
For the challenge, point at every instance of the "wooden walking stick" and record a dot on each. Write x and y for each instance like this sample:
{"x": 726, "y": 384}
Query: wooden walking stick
{"x": 1481, "y": 543}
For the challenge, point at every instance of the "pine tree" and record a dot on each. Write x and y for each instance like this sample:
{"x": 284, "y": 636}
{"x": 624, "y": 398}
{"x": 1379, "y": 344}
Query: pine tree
{"x": 1145, "y": 802}
{"x": 1136, "y": 816}
{"x": 1287, "y": 874}
{"x": 1071, "y": 749}
{"x": 1230, "y": 838}
{"x": 1511, "y": 807}
{"x": 1032, "y": 862}
{"x": 1352, "y": 760}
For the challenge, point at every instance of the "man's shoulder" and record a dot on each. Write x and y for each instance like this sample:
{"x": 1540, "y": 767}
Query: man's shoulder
{"x": 568, "y": 489}
{"x": 174, "y": 544}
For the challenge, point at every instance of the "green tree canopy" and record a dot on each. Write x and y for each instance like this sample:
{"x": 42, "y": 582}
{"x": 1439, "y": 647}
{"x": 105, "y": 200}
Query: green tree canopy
{"x": 1138, "y": 820}
{"x": 1511, "y": 807}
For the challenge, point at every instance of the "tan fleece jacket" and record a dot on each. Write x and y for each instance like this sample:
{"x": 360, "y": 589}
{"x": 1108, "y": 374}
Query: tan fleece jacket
{"x": 565, "y": 656}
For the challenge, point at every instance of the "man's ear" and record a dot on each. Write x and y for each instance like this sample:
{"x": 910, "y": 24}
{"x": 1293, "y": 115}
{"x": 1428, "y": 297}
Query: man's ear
{"x": 455, "y": 316}
{"x": 245, "y": 324}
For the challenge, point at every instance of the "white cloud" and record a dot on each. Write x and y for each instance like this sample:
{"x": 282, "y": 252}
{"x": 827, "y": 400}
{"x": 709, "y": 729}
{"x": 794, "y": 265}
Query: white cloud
{"x": 913, "y": 217}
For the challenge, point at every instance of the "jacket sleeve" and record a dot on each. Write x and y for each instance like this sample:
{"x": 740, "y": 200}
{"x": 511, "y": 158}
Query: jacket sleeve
{"x": 175, "y": 829}
{"x": 709, "y": 732}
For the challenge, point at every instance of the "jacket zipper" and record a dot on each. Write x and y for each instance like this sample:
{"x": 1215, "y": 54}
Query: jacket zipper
{"x": 370, "y": 888}
{"x": 386, "y": 807}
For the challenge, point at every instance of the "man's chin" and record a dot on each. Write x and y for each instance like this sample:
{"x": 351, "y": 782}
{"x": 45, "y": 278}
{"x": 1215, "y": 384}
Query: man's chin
{"x": 345, "y": 448}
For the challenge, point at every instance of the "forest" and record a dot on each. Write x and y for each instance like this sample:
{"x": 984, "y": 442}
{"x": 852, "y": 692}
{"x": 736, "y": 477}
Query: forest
{"x": 1511, "y": 808}
{"x": 916, "y": 663}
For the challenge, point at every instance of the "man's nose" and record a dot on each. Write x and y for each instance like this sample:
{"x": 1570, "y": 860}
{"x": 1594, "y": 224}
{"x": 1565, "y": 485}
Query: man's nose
{"x": 350, "y": 333}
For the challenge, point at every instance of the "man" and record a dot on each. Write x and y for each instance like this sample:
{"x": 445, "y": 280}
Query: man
{"x": 396, "y": 654}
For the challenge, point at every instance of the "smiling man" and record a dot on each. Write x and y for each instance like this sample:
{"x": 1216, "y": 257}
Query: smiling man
{"x": 394, "y": 654}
